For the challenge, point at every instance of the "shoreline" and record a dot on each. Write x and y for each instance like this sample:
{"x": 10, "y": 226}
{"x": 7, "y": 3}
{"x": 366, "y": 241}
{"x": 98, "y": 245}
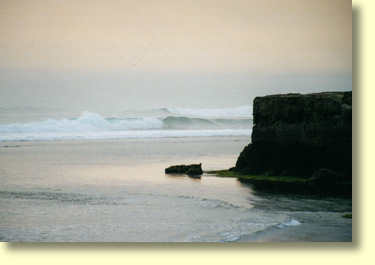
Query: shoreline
{"x": 293, "y": 234}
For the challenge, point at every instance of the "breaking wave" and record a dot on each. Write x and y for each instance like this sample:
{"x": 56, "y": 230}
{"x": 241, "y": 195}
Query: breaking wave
{"x": 88, "y": 121}
{"x": 94, "y": 122}
{"x": 93, "y": 126}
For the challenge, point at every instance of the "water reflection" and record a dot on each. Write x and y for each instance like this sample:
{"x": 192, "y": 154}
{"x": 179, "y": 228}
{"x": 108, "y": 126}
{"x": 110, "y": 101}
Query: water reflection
{"x": 192, "y": 177}
{"x": 260, "y": 188}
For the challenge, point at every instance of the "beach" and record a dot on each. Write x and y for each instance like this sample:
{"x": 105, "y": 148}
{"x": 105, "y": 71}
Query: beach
{"x": 117, "y": 191}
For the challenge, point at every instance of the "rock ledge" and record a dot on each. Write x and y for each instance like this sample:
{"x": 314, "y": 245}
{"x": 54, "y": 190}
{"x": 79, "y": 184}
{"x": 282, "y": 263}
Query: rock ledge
{"x": 299, "y": 135}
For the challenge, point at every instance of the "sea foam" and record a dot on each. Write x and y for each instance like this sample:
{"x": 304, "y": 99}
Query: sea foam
{"x": 289, "y": 223}
{"x": 90, "y": 126}
{"x": 87, "y": 122}
{"x": 133, "y": 134}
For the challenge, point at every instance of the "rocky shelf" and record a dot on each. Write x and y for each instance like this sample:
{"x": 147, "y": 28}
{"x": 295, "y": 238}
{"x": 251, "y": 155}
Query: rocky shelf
{"x": 299, "y": 141}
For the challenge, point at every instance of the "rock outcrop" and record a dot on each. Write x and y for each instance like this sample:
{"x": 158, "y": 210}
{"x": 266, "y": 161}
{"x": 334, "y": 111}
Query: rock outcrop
{"x": 194, "y": 169}
{"x": 298, "y": 135}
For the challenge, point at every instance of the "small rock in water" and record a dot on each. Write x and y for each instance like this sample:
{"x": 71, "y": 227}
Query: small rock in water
{"x": 194, "y": 169}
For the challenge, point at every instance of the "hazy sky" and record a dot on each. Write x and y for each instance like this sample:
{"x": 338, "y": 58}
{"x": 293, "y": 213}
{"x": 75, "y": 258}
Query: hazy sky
{"x": 164, "y": 51}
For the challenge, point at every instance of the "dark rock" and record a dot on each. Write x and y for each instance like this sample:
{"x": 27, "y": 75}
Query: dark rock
{"x": 325, "y": 176}
{"x": 194, "y": 169}
{"x": 296, "y": 134}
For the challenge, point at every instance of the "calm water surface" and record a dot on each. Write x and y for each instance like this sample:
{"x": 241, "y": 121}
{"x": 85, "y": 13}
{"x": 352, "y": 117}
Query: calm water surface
{"x": 116, "y": 190}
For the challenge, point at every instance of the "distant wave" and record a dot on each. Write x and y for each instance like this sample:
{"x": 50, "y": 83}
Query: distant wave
{"x": 93, "y": 126}
{"x": 88, "y": 121}
{"x": 243, "y": 111}
{"x": 172, "y": 122}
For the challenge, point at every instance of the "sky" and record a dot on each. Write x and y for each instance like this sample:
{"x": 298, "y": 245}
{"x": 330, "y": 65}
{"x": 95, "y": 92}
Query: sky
{"x": 95, "y": 54}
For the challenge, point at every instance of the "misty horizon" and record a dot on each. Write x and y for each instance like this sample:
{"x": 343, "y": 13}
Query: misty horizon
{"x": 111, "y": 56}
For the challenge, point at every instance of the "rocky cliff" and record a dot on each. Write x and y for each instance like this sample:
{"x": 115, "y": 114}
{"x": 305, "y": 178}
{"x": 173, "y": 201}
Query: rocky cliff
{"x": 296, "y": 134}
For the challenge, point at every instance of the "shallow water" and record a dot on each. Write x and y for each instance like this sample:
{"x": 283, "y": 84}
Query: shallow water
{"x": 116, "y": 190}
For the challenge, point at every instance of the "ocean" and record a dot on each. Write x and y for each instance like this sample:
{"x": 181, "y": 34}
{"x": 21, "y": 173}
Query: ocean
{"x": 153, "y": 123}
{"x": 91, "y": 177}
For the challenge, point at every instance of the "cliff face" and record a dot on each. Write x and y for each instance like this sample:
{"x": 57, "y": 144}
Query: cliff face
{"x": 296, "y": 134}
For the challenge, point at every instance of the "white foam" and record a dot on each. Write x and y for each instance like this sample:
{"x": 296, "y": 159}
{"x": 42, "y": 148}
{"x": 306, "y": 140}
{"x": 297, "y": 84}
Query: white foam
{"x": 90, "y": 126}
{"x": 87, "y": 122}
{"x": 243, "y": 111}
{"x": 289, "y": 223}
{"x": 130, "y": 134}
{"x": 230, "y": 236}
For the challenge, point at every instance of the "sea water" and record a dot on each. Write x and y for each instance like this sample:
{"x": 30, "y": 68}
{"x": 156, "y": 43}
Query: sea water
{"x": 95, "y": 178}
{"x": 158, "y": 123}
